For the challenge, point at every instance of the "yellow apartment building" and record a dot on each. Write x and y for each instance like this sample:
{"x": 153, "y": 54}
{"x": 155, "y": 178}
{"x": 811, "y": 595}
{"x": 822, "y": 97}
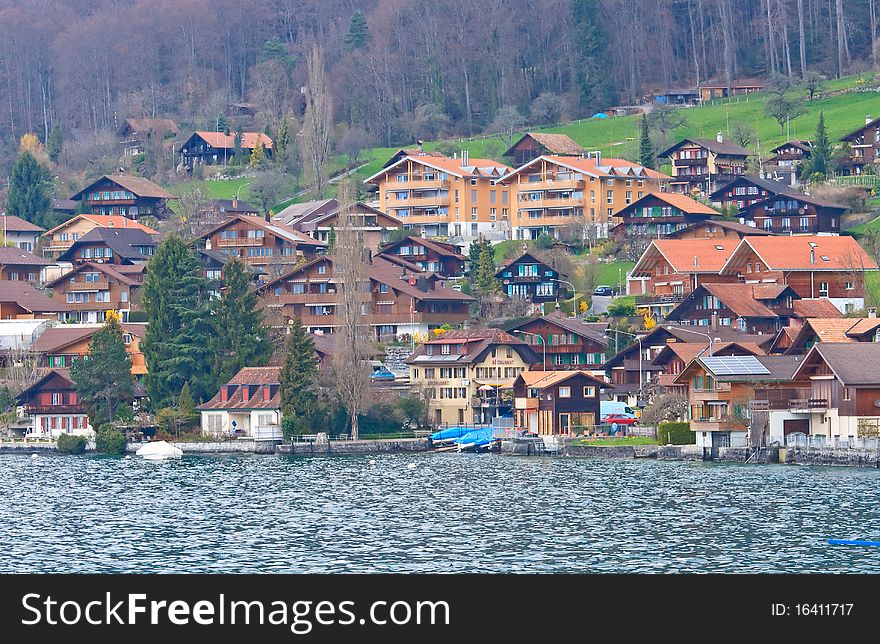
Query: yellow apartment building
{"x": 552, "y": 192}
{"x": 443, "y": 196}
{"x": 467, "y": 376}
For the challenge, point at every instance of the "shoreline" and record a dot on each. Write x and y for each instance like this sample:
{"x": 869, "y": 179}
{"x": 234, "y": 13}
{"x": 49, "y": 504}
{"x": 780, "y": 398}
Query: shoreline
{"x": 828, "y": 456}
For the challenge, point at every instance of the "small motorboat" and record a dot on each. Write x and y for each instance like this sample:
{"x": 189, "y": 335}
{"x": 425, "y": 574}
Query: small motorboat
{"x": 159, "y": 451}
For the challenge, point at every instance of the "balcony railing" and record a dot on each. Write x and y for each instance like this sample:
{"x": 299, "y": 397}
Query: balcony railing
{"x": 808, "y": 405}
{"x": 551, "y": 184}
{"x": 53, "y": 409}
{"x": 329, "y": 298}
{"x": 569, "y": 202}
{"x": 427, "y": 183}
{"x": 725, "y": 423}
{"x": 420, "y": 201}
{"x": 225, "y": 242}
{"x": 526, "y": 403}
{"x": 101, "y": 285}
{"x": 94, "y": 306}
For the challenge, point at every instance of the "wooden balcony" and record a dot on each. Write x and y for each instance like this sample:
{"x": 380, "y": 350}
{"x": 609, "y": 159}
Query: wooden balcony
{"x": 95, "y": 306}
{"x": 304, "y": 298}
{"x": 808, "y": 405}
{"x": 716, "y": 425}
{"x": 239, "y": 241}
{"x": 100, "y": 285}
{"x": 53, "y": 409}
{"x": 525, "y": 403}
{"x": 697, "y": 161}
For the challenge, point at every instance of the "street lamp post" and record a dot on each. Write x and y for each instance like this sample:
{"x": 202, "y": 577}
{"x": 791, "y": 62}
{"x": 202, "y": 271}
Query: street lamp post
{"x": 543, "y": 343}
{"x": 574, "y": 292}
{"x": 639, "y": 340}
{"x": 705, "y": 335}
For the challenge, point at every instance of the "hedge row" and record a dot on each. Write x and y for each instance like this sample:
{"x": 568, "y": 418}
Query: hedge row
{"x": 671, "y": 433}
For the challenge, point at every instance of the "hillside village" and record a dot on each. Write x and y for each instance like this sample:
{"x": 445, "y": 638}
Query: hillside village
{"x": 700, "y": 282}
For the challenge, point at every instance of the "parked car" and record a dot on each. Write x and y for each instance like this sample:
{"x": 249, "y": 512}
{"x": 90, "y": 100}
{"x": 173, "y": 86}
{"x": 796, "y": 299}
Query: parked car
{"x": 620, "y": 419}
{"x": 603, "y": 290}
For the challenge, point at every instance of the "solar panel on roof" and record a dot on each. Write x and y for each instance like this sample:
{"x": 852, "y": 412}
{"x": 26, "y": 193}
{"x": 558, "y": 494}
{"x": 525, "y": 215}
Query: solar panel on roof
{"x": 735, "y": 366}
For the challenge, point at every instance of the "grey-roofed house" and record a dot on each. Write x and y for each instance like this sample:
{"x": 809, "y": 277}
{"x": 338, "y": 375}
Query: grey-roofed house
{"x": 20, "y": 232}
{"x": 704, "y": 165}
{"x": 111, "y": 246}
{"x": 721, "y": 395}
{"x": 125, "y": 195}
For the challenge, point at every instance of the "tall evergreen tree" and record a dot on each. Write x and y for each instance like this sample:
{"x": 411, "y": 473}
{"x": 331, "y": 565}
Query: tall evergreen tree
{"x": 236, "y": 144}
{"x": 358, "y": 34}
{"x": 820, "y": 157}
{"x": 29, "y": 189}
{"x": 177, "y": 342}
{"x": 299, "y": 375}
{"x": 646, "y": 148}
{"x": 258, "y": 155}
{"x": 283, "y": 141}
{"x": 239, "y": 337}
{"x": 484, "y": 280}
{"x": 593, "y": 79}
{"x": 56, "y": 142}
{"x": 103, "y": 378}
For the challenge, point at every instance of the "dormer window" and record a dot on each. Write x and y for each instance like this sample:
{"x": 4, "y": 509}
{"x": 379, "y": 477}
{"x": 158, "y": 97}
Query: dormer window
{"x": 444, "y": 349}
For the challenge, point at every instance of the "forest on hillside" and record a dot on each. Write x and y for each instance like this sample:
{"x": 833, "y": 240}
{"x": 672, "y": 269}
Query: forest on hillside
{"x": 398, "y": 70}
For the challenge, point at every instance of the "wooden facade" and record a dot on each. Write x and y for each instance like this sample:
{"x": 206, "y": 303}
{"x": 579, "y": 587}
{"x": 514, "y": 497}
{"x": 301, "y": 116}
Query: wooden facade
{"x": 534, "y": 144}
{"x": 746, "y": 190}
{"x": 90, "y": 290}
{"x": 795, "y": 215}
{"x": 62, "y": 237}
{"x": 54, "y": 407}
{"x": 864, "y": 150}
{"x": 567, "y": 343}
{"x": 705, "y": 165}
{"x": 398, "y": 303}
{"x": 557, "y": 403}
{"x": 125, "y": 195}
{"x": 752, "y": 308}
{"x": 256, "y": 241}
{"x": 218, "y": 148}
{"x": 661, "y": 215}
{"x": 428, "y": 255}
{"x": 530, "y": 278}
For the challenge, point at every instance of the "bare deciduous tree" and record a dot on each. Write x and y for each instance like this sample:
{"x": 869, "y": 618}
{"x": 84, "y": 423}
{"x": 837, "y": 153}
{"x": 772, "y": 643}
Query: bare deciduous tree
{"x": 317, "y": 131}
{"x": 353, "y": 347}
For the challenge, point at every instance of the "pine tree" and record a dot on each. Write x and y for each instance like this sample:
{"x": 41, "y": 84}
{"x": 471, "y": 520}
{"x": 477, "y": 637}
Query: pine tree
{"x": 177, "y": 342}
{"x": 103, "y": 379}
{"x": 240, "y": 338}
{"x": 299, "y": 375}
{"x": 646, "y": 148}
{"x": 258, "y": 155}
{"x": 358, "y": 35}
{"x": 484, "y": 280}
{"x": 283, "y": 141}
{"x": 236, "y": 144}
{"x": 56, "y": 142}
{"x": 29, "y": 188}
{"x": 820, "y": 156}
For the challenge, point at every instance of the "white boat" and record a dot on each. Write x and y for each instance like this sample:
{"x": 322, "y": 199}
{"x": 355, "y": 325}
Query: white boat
{"x": 159, "y": 451}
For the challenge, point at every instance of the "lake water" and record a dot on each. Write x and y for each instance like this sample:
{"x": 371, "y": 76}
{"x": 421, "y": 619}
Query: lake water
{"x": 449, "y": 513}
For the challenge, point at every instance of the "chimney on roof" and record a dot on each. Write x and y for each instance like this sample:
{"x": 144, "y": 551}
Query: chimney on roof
{"x": 420, "y": 144}
{"x": 872, "y": 311}
{"x": 695, "y": 261}
{"x": 464, "y": 158}
{"x": 719, "y": 137}
{"x": 812, "y": 255}
{"x": 868, "y": 119}
{"x": 455, "y": 155}
{"x": 595, "y": 154}
{"x": 234, "y": 202}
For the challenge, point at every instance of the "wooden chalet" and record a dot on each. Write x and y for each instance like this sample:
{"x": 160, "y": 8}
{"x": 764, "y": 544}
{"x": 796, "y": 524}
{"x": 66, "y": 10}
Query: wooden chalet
{"x": 717, "y": 229}
{"x": 531, "y": 145}
{"x": 752, "y": 308}
{"x": 91, "y": 289}
{"x": 125, "y": 195}
{"x": 218, "y": 148}
{"x": 530, "y": 278}
{"x": 316, "y": 219}
{"x": 17, "y": 264}
{"x": 795, "y": 214}
{"x": 568, "y": 343}
{"x": 59, "y": 346}
{"x": 557, "y": 402}
{"x": 58, "y": 240}
{"x": 864, "y": 148}
{"x": 53, "y": 406}
{"x": 705, "y": 165}
{"x": 126, "y": 245}
{"x": 429, "y": 255}
{"x": 661, "y": 215}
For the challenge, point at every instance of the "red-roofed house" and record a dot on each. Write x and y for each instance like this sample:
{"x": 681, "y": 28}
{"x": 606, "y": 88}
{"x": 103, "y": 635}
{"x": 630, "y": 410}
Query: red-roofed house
{"x": 218, "y": 148}
{"x": 552, "y": 193}
{"x": 661, "y": 214}
{"x": 58, "y": 240}
{"x": 815, "y": 266}
{"x": 442, "y": 196}
{"x": 248, "y": 405}
{"x": 753, "y": 308}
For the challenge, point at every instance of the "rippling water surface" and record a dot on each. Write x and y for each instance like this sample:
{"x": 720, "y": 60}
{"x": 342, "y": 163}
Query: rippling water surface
{"x": 448, "y": 513}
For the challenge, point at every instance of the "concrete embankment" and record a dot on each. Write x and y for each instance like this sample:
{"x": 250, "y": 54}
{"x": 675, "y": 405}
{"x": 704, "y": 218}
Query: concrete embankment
{"x": 28, "y": 448}
{"x": 356, "y": 447}
{"x": 830, "y": 456}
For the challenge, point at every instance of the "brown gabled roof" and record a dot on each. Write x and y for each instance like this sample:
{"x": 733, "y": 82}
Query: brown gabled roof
{"x": 274, "y": 227}
{"x": 107, "y": 269}
{"x": 144, "y": 126}
{"x": 682, "y": 202}
{"x": 29, "y": 298}
{"x": 725, "y": 147}
{"x": 388, "y": 273}
{"x": 594, "y": 331}
{"x": 441, "y": 248}
{"x": 471, "y": 345}
{"x": 249, "y": 376}
{"x": 138, "y": 185}
{"x": 222, "y": 140}
{"x": 829, "y": 329}
{"x": 552, "y": 143}
{"x": 816, "y": 308}
{"x": 862, "y": 325}
{"x": 855, "y": 133}
{"x": 62, "y": 372}
{"x": 15, "y": 224}
{"x": 854, "y": 363}
{"x": 61, "y": 336}
{"x": 735, "y": 226}
{"x": 17, "y": 257}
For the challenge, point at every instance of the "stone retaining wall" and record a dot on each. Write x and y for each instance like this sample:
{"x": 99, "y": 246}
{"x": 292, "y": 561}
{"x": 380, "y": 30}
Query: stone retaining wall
{"x": 830, "y": 456}
{"x": 356, "y": 447}
{"x": 679, "y": 453}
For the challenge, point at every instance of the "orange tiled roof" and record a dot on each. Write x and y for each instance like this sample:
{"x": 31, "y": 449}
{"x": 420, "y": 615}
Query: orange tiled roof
{"x": 602, "y": 167}
{"x": 248, "y": 139}
{"x": 832, "y": 252}
{"x": 711, "y": 254}
{"x": 684, "y": 203}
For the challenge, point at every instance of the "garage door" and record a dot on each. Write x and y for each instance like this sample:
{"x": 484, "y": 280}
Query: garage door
{"x": 789, "y": 426}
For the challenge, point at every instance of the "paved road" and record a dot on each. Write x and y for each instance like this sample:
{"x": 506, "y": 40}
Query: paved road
{"x": 600, "y": 304}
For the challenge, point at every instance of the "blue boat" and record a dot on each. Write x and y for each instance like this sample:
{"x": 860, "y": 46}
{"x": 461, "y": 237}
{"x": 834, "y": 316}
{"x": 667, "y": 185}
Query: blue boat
{"x": 476, "y": 438}
{"x": 450, "y": 433}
